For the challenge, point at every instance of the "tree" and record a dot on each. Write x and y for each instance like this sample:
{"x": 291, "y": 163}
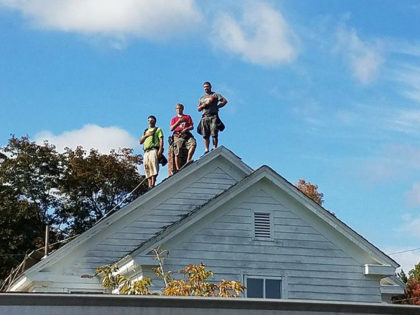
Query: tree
{"x": 31, "y": 172}
{"x": 414, "y": 274}
{"x": 28, "y": 174}
{"x": 95, "y": 183}
{"x": 412, "y": 287}
{"x": 311, "y": 191}
{"x": 402, "y": 276}
{"x": 21, "y": 229}
{"x": 412, "y": 292}
{"x": 68, "y": 191}
{"x": 194, "y": 283}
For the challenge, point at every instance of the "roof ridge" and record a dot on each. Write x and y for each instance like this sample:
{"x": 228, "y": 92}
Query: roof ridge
{"x": 313, "y": 204}
{"x": 162, "y": 186}
{"x": 185, "y": 216}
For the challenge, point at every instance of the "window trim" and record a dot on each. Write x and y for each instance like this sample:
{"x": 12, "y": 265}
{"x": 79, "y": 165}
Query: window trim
{"x": 282, "y": 279}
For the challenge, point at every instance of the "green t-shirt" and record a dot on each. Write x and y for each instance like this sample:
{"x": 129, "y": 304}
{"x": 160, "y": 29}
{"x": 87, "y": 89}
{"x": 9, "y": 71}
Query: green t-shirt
{"x": 152, "y": 141}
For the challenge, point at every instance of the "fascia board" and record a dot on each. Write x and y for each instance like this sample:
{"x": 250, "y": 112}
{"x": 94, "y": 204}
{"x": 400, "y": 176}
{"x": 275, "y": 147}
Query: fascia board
{"x": 330, "y": 219}
{"x": 182, "y": 225}
{"x": 167, "y": 184}
{"x": 392, "y": 285}
{"x": 269, "y": 174}
{"x": 379, "y": 270}
{"x": 21, "y": 284}
{"x": 392, "y": 289}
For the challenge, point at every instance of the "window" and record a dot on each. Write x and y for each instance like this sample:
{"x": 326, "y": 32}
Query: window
{"x": 268, "y": 288}
{"x": 262, "y": 225}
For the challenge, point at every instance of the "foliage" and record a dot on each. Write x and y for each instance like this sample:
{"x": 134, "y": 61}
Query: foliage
{"x": 112, "y": 280}
{"x": 412, "y": 287}
{"x": 412, "y": 292}
{"x": 402, "y": 276}
{"x": 94, "y": 183}
{"x": 31, "y": 172}
{"x": 414, "y": 274}
{"x": 194, "y": 283}
{"x": 68, "y": 191}
{"x": 21, "y": 229}
{"x": 28, "y": 174}
{"x": 310, "y": 190}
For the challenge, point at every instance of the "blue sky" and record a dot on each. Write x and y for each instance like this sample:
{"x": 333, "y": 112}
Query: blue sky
{"x": 325, "y": 90}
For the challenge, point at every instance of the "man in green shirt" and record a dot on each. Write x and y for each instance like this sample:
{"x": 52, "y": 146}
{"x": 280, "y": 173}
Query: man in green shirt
{"x": 152, "y": 141}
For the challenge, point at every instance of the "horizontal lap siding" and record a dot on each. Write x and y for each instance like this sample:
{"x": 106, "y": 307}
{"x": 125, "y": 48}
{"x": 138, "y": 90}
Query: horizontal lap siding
{"x": 166, "y": 213}
{"x": 315, "y": 268}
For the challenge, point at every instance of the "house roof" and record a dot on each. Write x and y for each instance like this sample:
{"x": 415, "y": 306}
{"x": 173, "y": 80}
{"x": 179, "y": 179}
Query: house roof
{"x": 221, "y": 152}
{"x": 249, "y": 178}
{"x": 267, "y": 173}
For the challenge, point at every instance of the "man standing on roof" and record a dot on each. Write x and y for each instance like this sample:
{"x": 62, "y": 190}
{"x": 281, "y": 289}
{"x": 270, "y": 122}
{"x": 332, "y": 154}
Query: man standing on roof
{"x": 210, "y": 123}
{"x": 152, "y": 141}
{"x": 181, "y": 125}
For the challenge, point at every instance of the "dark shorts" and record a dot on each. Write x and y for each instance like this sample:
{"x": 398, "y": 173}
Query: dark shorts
{"x": 208, "y": 126}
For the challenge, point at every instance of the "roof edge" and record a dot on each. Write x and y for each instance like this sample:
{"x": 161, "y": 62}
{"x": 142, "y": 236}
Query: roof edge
{"x": 268, "y": 173}
{"x": 164, "y": 185}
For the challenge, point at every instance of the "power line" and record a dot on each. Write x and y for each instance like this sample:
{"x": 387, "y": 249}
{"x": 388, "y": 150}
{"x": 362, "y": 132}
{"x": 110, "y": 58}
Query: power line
{"x": 125, "y": 198}
{"x": 405, "y": 251}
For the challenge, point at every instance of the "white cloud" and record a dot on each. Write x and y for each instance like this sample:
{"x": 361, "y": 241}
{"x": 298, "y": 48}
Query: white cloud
{"x": 407, "y": 121}
{"x": 410, "y": 48}
{"x": 364, "y": 58}
{"x": 144, "y": 18}
{"x": 261, "y": 37}
{"x": 411, "y": 225}
{"x": 407, "y": 260}
{"x": 393, "y": 161}
{"x": 104, "y": 139}
{"x": 413, "y": 196}
{"x": 409, "y": 76}
{"x": 310, "y": 112}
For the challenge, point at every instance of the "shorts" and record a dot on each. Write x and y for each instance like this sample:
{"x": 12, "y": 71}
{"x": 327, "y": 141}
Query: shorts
{"x": 208, "y": 126}
{"x": 179, "y": 142}
{"x": 151, "y": 163}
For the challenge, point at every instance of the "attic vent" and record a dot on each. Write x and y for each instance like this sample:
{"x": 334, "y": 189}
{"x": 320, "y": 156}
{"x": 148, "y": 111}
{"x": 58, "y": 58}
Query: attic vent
{"x": 262, "y": 225}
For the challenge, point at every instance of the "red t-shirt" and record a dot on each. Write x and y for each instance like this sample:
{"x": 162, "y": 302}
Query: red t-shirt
{"x": 186, "y": 123}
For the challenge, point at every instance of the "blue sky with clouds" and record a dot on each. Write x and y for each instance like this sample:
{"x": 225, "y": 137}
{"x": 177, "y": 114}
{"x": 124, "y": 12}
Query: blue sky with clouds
{"x": 325, "y": 90}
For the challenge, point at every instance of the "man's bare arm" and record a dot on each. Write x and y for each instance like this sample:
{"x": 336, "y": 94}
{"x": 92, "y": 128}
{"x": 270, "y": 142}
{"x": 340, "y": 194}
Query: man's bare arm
{"x": 160, "y": 147}
{"x": 186, "y": 129}
{"x": 222, "y": 102}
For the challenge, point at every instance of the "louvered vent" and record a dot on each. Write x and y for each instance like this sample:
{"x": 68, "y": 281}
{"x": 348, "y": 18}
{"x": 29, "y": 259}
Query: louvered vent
{"x": 262, "y": 226}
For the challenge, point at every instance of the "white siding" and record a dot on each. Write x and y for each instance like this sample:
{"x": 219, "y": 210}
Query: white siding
{"x": 311, "y": 266}
{"x": 149, "y": 223}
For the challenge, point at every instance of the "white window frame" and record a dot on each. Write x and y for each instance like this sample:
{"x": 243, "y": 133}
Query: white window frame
{"x": 282, "y": 279}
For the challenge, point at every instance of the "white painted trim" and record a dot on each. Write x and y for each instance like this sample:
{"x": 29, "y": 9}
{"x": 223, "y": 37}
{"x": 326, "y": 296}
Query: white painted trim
{"x": 21, "y": 285}
{"x": 330, "y": 219}
{"x": 379, "y": 270}
{"x": 219, "y": 153}
{"x": 266, "y": 173}
{"x": 392, "y": 289}
{"x": 264, "y": 276}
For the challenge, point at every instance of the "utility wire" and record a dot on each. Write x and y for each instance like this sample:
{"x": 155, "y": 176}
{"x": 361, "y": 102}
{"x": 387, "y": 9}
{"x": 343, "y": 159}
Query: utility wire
{"x": 67, "y": 239}
{"x": 125, "y": 198}
{"x": 405, "y": 251}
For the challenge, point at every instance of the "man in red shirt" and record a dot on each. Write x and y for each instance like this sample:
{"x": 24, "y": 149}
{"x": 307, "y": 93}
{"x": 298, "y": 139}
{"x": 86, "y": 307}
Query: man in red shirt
{"x": 181, "y": 125}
